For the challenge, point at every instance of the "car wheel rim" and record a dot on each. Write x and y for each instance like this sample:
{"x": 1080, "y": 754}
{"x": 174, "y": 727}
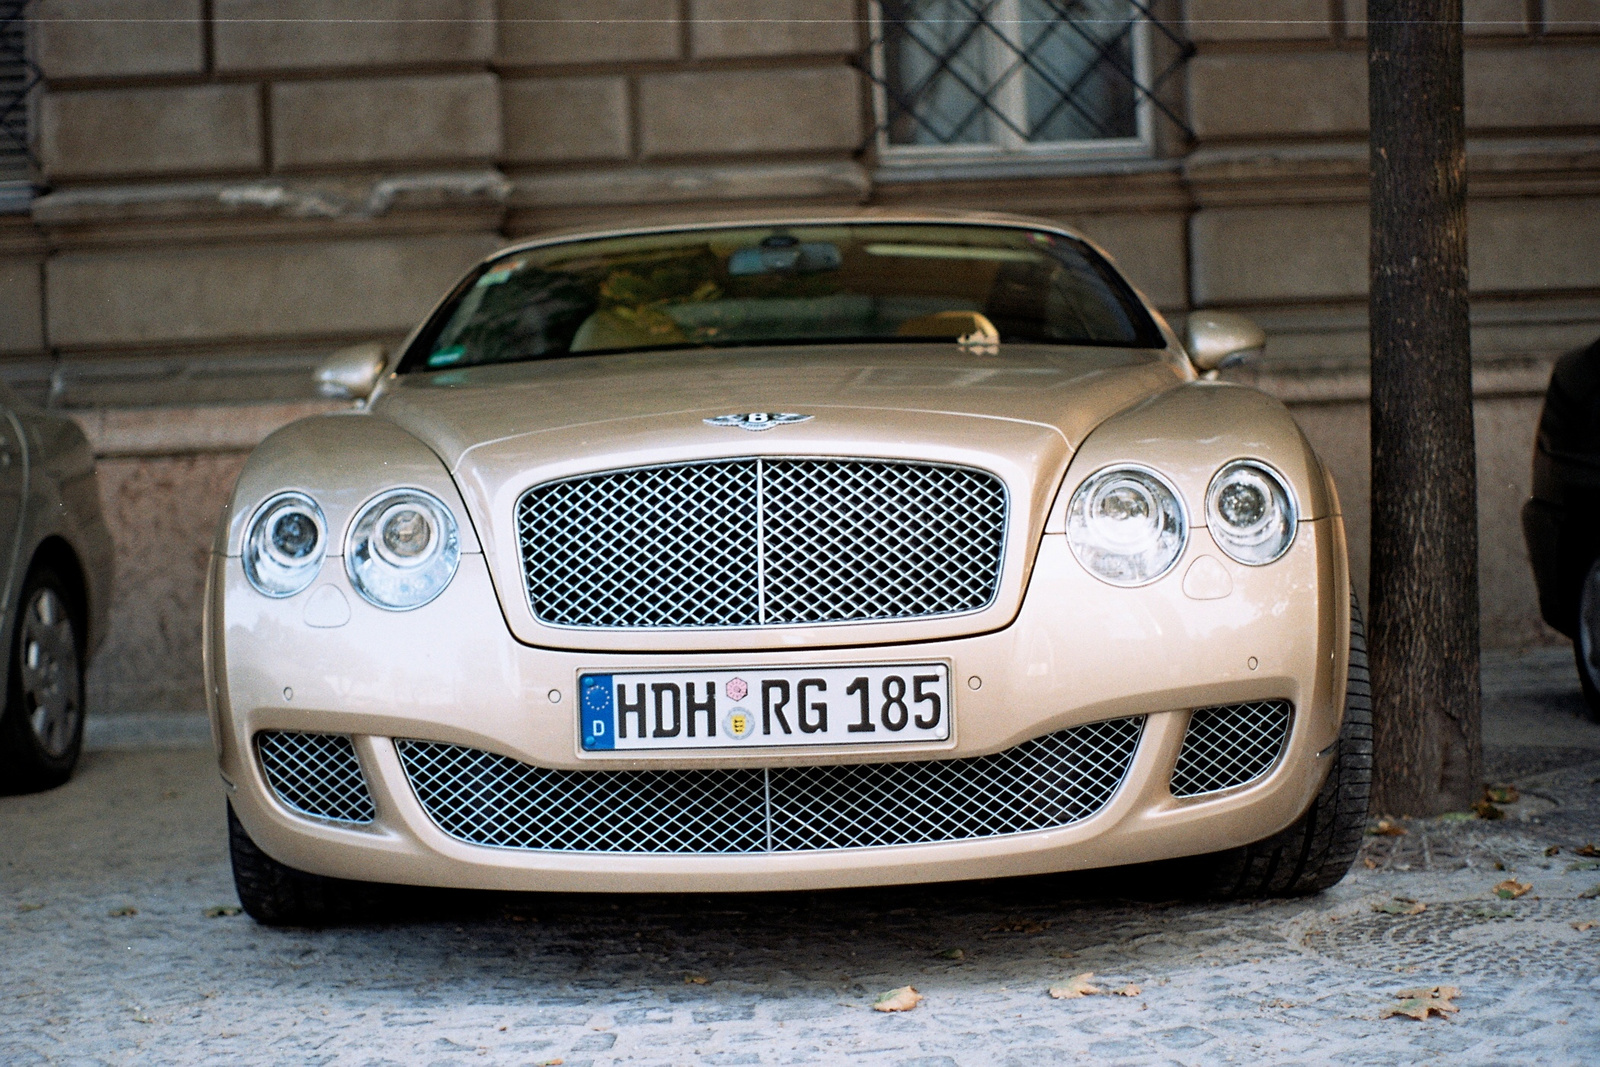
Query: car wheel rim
{"x": 51, "y": 700}
{"x": 1589, "y": 626}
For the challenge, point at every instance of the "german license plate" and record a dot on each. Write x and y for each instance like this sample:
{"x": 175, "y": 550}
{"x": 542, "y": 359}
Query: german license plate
{"x": 765, "y": 708}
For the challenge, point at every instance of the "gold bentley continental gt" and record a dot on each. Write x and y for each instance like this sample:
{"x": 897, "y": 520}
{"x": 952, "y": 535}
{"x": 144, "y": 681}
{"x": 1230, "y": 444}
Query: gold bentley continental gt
{"x": 787, "y": 554}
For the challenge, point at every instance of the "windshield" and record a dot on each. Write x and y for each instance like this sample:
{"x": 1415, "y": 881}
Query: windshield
{"x": 784, "y": 285}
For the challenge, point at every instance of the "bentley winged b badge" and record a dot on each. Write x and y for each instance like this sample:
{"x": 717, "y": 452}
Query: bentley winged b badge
{"x": 758, "y": 420}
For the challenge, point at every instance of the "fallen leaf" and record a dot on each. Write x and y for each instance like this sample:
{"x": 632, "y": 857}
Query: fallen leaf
{"x": 1076, "y": 986}
{"x": 1584, "y": 865}
{"x": 903, "y": 999}
{"x": 1499, "y": 866}
{"x": 1369, "y": 863}
{"x": 1387, "y": 828}
{"x": 1421, "y": 1003}
{"x": 1280, "y": 1004}
{"x": 549, "y": 1063}
{"x": 1590, "y": 893}
{"x": 1587, "y": 924}
{"x": 1502, "y": 794}
{"x": 1485, "y": 810}
{"x": 695, "y": 979}
{"x": 952, "y": 954}
{"x": 1401, "y": 906}
{"x": 1511, "y": 889}
{"x": 1587, "y": 850}
{"x": 1129, "y": 990}
{"x": 1021, "y": 926}
{"x": 29, "y": 907}
{"x": 1552, "y": 850}
{"x": 122, "y": 913}
{"x": 222, "y": 911}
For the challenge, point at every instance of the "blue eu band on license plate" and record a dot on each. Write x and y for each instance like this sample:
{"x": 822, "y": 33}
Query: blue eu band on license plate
{"x": 885, "y": 704}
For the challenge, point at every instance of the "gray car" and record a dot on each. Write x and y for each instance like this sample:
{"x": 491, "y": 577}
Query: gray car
{"x": 55, "y": 588}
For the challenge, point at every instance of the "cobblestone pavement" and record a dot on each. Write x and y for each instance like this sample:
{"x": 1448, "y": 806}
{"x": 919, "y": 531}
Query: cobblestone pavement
{"x": 109, "y": 954}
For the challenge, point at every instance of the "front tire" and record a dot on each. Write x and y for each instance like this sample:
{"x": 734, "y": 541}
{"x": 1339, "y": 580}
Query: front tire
{"x": 1586, "y": 648}
{"x": 41, "y": 727}
{"x": 1317, "y": 851}
{"x": 275, "y": 894}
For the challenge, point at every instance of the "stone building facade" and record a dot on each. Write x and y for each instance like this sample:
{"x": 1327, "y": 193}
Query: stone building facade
{"x": 220, "y": 192}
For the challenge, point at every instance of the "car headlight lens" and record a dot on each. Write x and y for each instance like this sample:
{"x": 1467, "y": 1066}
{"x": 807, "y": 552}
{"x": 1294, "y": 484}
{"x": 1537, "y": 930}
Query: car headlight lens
{"x": 284, "y": 545}
{"x": 1251, "y": 513}
{"x": 1126, "y": 525}
{"x": 403, "y": 549}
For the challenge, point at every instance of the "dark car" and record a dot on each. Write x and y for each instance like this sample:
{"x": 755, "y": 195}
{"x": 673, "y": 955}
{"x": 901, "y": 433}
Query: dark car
{"x": 55, "y": 586}
{"x": 1562, "y": 520}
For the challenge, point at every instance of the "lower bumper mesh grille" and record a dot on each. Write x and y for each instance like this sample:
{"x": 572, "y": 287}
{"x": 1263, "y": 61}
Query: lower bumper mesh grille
{"x": 1230, "y": 746}
{"x": 485, "y": 799}
{"x": 316, "y": 774}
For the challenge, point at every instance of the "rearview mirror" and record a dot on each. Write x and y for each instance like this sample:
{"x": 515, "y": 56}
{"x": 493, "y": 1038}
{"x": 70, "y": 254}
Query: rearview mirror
{"x": 352, "y": 373}
{"x": 1217, "y": 340}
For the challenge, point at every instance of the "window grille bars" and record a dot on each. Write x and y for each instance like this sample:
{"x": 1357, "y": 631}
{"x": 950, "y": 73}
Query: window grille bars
{"x": 18, "y": 76}
{"x": 1004, "y": 73}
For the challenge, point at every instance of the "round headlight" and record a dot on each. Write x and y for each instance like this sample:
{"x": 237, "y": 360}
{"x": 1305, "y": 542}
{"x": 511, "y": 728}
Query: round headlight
{"x": 403, "y": 549}
{"x": 284, "y": 545}
{"x": 1126, "y": 525}
{"x": 1251, "y": 512}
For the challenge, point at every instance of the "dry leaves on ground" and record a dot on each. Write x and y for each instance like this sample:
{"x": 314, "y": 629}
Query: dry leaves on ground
{"x": 903, "y": 999}
{"x": 695, "y": 979}
{"x": 1511, "y": 889}
{"x": 1485, "y": 810}
{"x": 951, "y": 954}
{"x": 1021, "y": 926}
{"x": 1129, "y": 990}
{"x": 1587, "y": 850}
{"x": 1501, "y": 794}
{"x": 1387, "y": 828}
{"x": 1401, "y": 906}
{"x": 1553, "y": 850}
{"x": 1586, "y": 924}
{"x": 1079, "y": 985}
{"x": 122, "y": 913}
{"x": 1421, "y": 1003}
{"x": 222, "y": 911}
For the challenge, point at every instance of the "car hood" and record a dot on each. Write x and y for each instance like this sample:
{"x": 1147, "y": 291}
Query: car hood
{"x": 1021, "y": 414}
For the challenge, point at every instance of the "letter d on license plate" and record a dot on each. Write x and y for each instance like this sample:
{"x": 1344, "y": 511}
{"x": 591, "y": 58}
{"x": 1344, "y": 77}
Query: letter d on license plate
{"x": 889, "y": 704}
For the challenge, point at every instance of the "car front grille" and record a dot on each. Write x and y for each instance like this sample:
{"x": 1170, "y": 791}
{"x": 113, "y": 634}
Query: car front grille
{"x": 1052, "y": 781}
{"x": 762, "y": 542}
{"x": 315, "y": 774}
{"x": 1230, "y": 746}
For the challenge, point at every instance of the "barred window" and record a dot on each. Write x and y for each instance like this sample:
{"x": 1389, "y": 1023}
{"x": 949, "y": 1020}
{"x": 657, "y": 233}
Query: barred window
{"x": 994, "y": 80}
{"x": 17, "y": 78}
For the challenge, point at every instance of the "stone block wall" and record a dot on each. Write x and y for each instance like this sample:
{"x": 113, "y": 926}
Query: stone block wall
{"x": 235, "y": 188}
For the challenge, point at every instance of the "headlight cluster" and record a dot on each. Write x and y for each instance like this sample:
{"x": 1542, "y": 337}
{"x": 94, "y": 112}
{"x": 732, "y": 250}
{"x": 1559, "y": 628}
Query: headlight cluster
{"x": 284, "y": 546}
{"x": 401, "y": 552}
{"x": 1127, "y": 524}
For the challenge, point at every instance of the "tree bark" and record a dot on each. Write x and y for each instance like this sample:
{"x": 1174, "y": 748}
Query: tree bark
{"x": 1424, "y": 595}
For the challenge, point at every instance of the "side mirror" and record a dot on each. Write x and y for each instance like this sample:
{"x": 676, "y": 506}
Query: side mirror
{"x": 1217, "y": 340}
{"x": 352, "y": 373}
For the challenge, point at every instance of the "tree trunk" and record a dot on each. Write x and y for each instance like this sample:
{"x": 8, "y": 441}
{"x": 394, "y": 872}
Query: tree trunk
{"x": 1423, "y": 614}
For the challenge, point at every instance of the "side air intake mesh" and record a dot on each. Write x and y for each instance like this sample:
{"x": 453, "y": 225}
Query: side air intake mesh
{"x": 316, "y": 774}
{"x": 1230, "y": 746}
{"x": 1051, "y": 781}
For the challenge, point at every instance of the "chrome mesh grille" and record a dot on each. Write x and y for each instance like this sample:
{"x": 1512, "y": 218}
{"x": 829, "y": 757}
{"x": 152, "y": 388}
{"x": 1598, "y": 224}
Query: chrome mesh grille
{"x": 762, "y": 542}
{"x": 316, "y": 774}
{"x": 1051, "y": 781}
{"x": 1229, "y": 746}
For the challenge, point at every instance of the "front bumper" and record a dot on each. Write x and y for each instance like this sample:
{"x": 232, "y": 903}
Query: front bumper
{"x": 1078, "y": 652}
